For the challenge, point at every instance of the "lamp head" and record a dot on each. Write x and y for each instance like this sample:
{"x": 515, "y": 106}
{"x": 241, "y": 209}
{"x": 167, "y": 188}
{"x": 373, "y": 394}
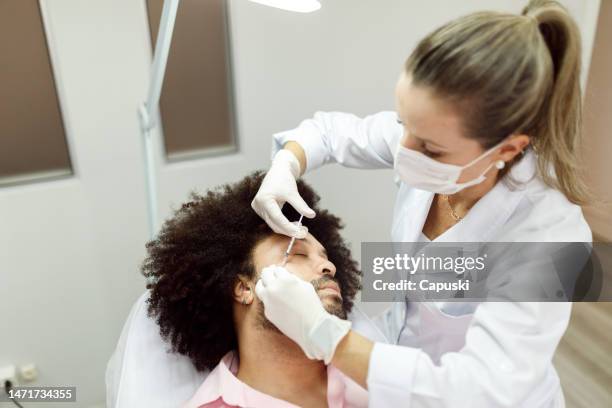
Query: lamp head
{"x": 300, "y": 6}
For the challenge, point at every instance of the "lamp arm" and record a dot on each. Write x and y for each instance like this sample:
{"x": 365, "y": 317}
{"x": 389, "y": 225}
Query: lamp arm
{"x": 160, "y": 60}
{"x": 147, "y": 111}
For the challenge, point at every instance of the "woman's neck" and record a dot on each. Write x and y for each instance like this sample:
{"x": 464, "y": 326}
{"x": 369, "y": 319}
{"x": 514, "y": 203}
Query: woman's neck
{"x": 467, "y": 198}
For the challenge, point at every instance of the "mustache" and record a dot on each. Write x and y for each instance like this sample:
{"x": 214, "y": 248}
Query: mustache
{"x": 317, "y": 283}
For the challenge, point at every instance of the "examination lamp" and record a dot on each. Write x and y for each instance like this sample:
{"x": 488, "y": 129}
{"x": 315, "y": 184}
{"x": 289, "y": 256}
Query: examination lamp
{"x": 301, "y": 6}
{"x": 148, "y": 111}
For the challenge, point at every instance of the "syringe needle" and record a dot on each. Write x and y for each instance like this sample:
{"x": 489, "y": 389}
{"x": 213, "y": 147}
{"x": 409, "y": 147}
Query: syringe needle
{"x": 288, "y": 251}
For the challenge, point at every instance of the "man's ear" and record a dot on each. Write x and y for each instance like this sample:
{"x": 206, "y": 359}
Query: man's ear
{"x": 244, "y": 291}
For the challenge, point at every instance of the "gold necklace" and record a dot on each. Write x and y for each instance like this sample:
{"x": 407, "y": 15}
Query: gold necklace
{"x": 450, "y": 207}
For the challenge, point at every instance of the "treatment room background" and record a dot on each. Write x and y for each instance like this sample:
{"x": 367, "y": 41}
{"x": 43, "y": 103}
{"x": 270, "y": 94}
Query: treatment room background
{"x": 73, "y": 213}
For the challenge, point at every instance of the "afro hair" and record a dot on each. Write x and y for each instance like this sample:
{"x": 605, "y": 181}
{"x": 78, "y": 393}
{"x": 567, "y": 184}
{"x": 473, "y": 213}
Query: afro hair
{"x": 201, "y": 251}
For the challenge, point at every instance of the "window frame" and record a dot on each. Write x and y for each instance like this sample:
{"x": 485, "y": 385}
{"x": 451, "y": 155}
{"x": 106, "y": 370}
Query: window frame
{"x": 235, "y": 138}
{"x": 44, "y": 177}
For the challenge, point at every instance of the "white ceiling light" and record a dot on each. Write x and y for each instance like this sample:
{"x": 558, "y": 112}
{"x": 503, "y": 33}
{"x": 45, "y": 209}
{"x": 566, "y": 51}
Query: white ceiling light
{"x": 301, "y": 6}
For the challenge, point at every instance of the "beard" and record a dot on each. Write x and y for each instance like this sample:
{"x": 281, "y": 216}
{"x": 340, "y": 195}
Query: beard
{"x": 333, "y": 305}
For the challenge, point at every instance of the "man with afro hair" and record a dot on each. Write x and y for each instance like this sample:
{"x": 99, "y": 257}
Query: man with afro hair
{"x": 205, "y": 263}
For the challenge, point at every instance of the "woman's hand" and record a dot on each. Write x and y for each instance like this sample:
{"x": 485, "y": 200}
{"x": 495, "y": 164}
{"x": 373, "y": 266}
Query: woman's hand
{"x": 278, "y": 187}
{"x": 293, "y": 306}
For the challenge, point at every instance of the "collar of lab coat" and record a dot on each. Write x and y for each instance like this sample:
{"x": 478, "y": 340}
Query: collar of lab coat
{"x": 491, "y": 212}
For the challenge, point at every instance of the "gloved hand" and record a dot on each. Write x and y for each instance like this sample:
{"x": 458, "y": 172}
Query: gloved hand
{"x": 278, "y": 187}
{"x": 293, "y": 305}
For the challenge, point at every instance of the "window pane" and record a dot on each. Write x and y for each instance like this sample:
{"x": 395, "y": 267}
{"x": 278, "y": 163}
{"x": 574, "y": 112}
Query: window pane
{"x": 196, "y": 101}
{"x": 32, "y": 138}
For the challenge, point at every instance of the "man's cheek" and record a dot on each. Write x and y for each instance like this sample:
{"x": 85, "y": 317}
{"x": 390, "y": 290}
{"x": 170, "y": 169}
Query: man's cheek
{"x": 297, "y": 271}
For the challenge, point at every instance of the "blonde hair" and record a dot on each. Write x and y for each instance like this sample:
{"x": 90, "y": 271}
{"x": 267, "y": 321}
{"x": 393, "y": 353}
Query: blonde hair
{"x": 513, "y": 74}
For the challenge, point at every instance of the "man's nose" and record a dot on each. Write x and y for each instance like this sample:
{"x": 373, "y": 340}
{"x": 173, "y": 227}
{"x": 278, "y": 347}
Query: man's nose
{"x": 327, "y": 268}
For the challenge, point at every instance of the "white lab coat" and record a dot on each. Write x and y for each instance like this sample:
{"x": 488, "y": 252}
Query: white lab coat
{"x": 494, "y": 354}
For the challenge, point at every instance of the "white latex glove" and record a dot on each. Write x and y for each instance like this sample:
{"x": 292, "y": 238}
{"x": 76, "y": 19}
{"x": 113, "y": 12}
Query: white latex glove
{"x": 278, "y": 187}
{"x": 293, "y": 305}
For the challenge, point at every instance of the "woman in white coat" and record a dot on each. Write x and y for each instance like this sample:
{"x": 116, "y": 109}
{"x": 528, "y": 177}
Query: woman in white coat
{"x": 484, "y": 142}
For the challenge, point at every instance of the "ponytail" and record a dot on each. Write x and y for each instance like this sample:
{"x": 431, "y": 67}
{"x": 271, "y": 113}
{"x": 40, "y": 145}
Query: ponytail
{"x": 557, "y": 132}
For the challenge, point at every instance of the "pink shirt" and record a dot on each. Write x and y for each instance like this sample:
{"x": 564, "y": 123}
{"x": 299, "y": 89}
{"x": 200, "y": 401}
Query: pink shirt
{"x": 223, "y": 389}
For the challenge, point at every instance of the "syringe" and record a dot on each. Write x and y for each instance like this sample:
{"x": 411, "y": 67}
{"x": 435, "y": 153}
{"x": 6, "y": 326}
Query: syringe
{"x": 288, "y": 251}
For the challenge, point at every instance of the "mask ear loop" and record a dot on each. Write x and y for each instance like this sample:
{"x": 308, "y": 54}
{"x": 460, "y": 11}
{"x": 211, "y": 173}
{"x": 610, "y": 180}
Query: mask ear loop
{"x": 485, "y": 154}
{"x": 499, "y": 164}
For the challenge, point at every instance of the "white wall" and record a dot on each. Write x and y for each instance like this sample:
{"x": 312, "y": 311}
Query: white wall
{"x": 70, "y": 250}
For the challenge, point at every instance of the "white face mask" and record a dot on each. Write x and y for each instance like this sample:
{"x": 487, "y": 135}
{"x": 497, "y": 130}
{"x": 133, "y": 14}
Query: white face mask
{"x": 422, "y": 172}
